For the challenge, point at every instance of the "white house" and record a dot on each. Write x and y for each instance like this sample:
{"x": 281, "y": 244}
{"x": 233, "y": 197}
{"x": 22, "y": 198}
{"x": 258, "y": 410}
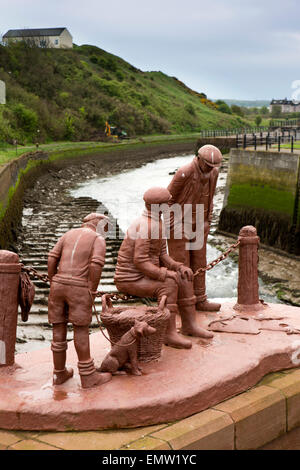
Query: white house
{"x": 286, "y": 106}
{"x": 2, "y": 92}
{"x": 43, "y": 37}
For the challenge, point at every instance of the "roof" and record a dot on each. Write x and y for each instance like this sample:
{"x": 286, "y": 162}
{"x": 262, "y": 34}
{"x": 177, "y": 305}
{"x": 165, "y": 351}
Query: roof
{"x": 285, "y": 101}
{"x": 19, "y": 33}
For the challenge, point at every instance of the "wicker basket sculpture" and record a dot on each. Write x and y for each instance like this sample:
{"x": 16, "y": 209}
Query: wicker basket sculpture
{"x": 118, "y": 320}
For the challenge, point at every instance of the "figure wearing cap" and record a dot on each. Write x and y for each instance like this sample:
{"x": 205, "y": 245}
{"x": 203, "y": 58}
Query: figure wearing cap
{"x": 145, "y": 269}
{"x": 74, "y": 269}
{"x": 193, "y": 184}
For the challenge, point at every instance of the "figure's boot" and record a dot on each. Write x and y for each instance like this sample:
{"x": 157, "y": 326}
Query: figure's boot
{"x": 208, "y": 306}
{"x": 189, "y": 325}
{"x": 172, "y": 338}
{"x": 61, "y": 373}
{"x": 89, "y": 376}
{"x": 203, "y": 305}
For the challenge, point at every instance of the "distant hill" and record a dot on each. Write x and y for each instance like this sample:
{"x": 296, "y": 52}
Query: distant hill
{"x": 248, "y": 103}
{"x": 58, "y": 94}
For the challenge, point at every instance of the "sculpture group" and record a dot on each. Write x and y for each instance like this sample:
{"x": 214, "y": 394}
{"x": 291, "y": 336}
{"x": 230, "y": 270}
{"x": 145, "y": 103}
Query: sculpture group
{"x": 149, "y": 264}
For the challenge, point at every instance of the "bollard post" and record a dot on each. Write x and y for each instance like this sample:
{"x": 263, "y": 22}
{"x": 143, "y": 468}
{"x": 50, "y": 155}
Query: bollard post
{"x": 248, "y": 297}
{"x": 10, "y": 269}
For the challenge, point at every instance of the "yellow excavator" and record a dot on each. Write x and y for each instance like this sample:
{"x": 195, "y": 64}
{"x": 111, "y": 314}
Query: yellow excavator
{"x": 115, "y": 132}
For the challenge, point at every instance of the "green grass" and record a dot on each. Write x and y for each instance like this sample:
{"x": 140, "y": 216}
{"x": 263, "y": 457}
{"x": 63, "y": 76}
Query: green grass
{"x": 288, "y": 145}
{"x": 58, "y": 95}
{"x": 65, "y": 148}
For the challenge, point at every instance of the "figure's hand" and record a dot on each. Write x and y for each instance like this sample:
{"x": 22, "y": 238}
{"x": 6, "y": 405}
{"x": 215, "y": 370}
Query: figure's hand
{"x": 173, "y": 275}
{"x": 186, "y": 273}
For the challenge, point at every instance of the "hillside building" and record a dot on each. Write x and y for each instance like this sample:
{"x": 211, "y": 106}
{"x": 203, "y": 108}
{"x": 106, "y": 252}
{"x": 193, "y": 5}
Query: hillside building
{"x": 59, "y": 38}
{"x": 286, "y": 106}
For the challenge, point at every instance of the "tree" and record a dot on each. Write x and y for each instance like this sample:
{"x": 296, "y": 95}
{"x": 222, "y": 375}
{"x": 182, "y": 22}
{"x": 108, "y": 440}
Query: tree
{"x": 276, "y": 111}
{"x": 223, "y": 107}
{"x": 237, "y": 110}
{"x": 258, "y": 120}
{"x": 264, "y": 111}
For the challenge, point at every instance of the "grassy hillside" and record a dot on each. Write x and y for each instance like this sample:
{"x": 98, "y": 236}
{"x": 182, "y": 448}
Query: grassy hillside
{"x": 69, "y": 94}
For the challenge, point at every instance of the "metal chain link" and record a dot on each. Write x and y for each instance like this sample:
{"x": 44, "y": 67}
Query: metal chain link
{"x": 44, "y": 277}
{"x": 213, "y": 263}
{"x": 34, "y": 274}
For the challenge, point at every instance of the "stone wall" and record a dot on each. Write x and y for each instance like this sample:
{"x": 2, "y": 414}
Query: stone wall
{"x": 263, "y": 190}
{"x": 223, "y": 143}
{"x": 12, "y": 187}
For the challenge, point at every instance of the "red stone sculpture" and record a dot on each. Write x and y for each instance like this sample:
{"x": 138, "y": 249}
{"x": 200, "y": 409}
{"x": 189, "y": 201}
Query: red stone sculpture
{"x": 248, "y": 296}
{"x": 194, "y": 184}
{"x": 124, "y": 354}
{"x": 144, "y": 268}
{"x": 10, "y": 269}
{"x": 74, "y": 269}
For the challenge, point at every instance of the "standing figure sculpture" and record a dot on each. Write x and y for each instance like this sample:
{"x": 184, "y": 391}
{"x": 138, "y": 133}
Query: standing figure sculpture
{"x": 74, "y": 269}
{"x": 145, "y": 269}
{"x": 195, "y": 184}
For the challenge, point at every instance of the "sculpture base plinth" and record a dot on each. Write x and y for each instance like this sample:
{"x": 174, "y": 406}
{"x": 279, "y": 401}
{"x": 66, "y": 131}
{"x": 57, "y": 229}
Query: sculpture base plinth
{"x": 250, "y": 308}
{"x": 181, "y": 383}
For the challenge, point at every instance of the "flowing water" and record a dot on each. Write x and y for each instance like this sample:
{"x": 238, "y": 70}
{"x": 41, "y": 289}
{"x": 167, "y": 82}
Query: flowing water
{"x": 123, "y": 193}
{"x": 51, "y": 211}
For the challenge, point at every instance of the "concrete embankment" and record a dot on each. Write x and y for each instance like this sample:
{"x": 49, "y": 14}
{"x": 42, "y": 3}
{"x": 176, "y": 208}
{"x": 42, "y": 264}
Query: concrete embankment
{"x": 263, "y": 190}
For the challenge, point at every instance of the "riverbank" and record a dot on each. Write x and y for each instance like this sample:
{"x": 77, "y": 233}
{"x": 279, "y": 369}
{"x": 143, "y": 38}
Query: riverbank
{"x": 280, "y": 272}
{"x": 58, "y": 149}
{"x": 22, "y": 173}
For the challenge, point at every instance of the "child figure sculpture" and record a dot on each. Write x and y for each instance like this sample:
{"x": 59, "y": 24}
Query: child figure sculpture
{"x": 74, "y": 269}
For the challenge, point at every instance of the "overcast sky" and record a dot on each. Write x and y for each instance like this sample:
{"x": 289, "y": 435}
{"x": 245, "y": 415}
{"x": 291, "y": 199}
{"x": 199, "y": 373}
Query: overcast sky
{"x": 228, "y": 49}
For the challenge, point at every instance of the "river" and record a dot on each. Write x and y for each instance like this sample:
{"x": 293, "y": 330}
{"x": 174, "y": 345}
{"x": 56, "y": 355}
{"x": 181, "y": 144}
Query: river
{"x": 123, "y": 193}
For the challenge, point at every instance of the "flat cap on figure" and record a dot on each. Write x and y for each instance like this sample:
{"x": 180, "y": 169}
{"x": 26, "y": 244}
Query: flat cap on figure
{"x": 211, "y": 155}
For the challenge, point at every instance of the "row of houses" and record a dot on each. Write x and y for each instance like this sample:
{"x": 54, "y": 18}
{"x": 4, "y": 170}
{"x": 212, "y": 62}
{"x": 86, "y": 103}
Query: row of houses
{"x": 286, "y": 106}
{"x": 59, "y": 38}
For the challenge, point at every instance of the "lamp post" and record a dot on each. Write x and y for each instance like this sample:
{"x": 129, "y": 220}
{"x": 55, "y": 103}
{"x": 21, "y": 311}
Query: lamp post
{"x": 37, "y": 139}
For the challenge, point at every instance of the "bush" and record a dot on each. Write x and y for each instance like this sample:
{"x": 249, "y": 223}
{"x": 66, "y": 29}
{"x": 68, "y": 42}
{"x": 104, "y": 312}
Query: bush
{"x": 190, "y": 109}
{"x": 26, "y": 118}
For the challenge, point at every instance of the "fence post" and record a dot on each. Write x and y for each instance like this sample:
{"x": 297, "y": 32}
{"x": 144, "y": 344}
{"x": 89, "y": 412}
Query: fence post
{"x": 292, "y": 144}
{"x": 254, "y": 141}
{"x": 279, "y": 141}
{"x": 10, "y": 269}
{"x": 248, "y": 297}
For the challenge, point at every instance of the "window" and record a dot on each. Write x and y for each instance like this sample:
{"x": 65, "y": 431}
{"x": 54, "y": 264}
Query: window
{"x": 56, "y": 41}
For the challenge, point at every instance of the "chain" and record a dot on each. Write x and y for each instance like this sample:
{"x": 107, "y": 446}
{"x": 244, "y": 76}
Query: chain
{"x": 44, "y": 277}
{"x": 223, "y": 256}
{"x": 34, "y": 274}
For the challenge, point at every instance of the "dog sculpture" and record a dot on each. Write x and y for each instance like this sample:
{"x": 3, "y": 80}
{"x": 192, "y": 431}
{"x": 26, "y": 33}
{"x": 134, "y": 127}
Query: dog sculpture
{"x": 123, "y": 355}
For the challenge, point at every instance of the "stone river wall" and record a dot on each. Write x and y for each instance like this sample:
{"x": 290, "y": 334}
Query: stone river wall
{"x": 263, "y": 190}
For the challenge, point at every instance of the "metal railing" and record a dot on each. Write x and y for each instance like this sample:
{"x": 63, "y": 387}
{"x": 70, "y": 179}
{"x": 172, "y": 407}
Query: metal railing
{"x": 268, "y": 140}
